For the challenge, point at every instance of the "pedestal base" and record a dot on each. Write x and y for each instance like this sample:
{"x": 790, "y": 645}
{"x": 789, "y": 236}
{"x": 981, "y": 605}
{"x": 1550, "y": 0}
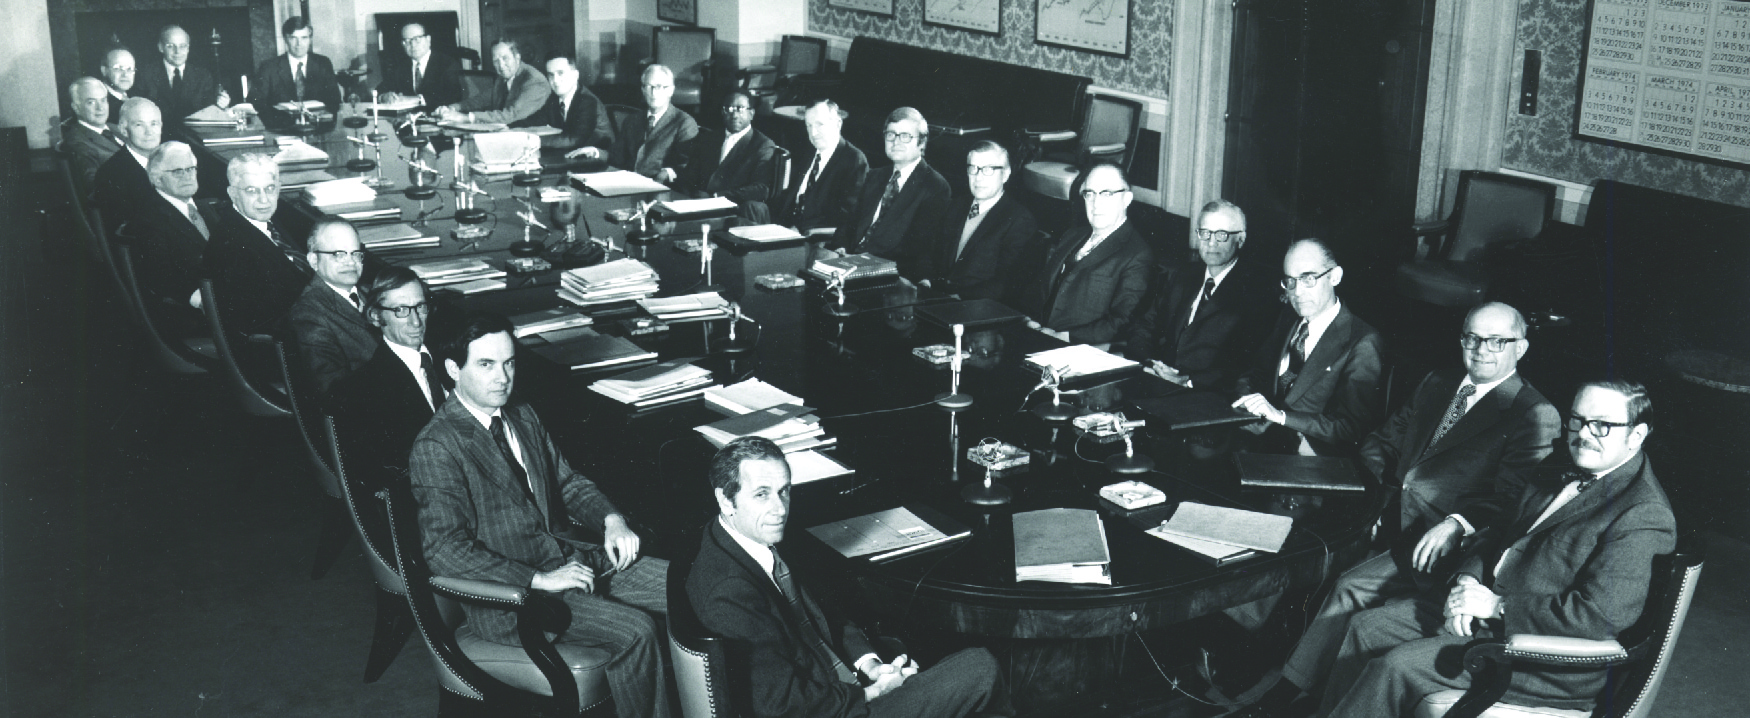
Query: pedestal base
{"x": 953, "y": 401}
{"x": 992, "y": 495}
{"x": 361, "y": 165}
{"x": 1054, "y": 413}
{"x": 1138, "y": 464}
{"x": 737, "y": 346}
{"x": 522, "y": 248}
{"x": 840, "y": 310}
{"x": 421, "y": 193}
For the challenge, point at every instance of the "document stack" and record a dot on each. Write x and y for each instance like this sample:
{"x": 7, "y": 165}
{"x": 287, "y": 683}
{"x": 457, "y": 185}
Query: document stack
{"x": 690, "y": 207}
{"x": 1223, "y": 535}
{"x": 400, "y": 235}
{"x": 790, "y": 426}
{"x": 765, "y": 233}
{"x": 617, "y": 183}
{"x": 584, "y": 349}
{"x": 209, "y": 116}
{"x": 334, "y": 193}
{"x": 616, "y": 281}
{"x": 548, "y": 320}
{"x": 1062, "y": 546}
{"x": 663, "y": 383}
{"x": 853, "y": 266}
{"x": 295, "y": 151}
{"x": 889, "y": 534}
{"x": 703, "y": 306}
{"x": 747, "y": 397}
{"x": 460, "y": 270}
{"x": 1080, "y": 360}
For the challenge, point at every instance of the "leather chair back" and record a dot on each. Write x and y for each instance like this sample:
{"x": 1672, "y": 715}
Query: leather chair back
{"x": 618, "y": 114}
{"x": 701, "y": 670}
{"x": 1633, "y": 687}
{"x": 1110, "y": 129}
{"x": 1493, "y": 207}
{"x": 82, "y": 227}
{"x": 780, "y": 172}
{"x": 301, "y": 399}
{"x": 686, "y": 51}
{"x": 105, "y": 249}
{"x": 162, "y": 347}
{"x": 369, "y": 520}
{"x": 253, "y": 400}
{"x": 435, "y": 617}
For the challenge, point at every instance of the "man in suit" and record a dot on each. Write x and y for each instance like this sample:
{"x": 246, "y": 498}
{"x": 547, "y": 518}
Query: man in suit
{"x": 328, "y": 318}
{"x": 180, "y": 89}
{"x": 1573, "y": 559}
{"x": 88, "y": 139}
{"x": 168, "y": 235}
{"x": 380, "y": 409}
{"x": 515, "y": 99}
{"x": 798, "y": 657}
{"x": 1097, "y": 274}
{"x": 1200, "y": 325}
{"x": 657, "y": 144}
{"x": 432, "y": 78}
{"x": 1457, "y": 457}
{"x": 297, "y": 76}
{"x": 983, "y": 235}
{"x": 118, "y": 78}
{"x": 1316, "y": 381}
{"x": 494, "y": 499}
{"x": 824, "y": 195}
{"x": 582, "y": 121}
{"x": 257, "y": 271}
{"x": 735, "y": 163}
{"x": 902, "y": 203}
{"x": 120, "y": 186}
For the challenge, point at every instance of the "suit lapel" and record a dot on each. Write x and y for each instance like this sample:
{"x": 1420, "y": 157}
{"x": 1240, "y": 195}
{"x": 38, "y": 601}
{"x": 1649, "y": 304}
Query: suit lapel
{"x": 478, "y": 442}
{"x": 541, "y": 475}
{"x": 1334, "y": 342}
{"x": 1486, "y": 413}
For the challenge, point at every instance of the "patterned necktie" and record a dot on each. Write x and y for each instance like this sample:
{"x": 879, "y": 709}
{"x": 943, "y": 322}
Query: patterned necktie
{"x": 1296, "y": 359}
{"x": 1203, "y": 302}
{"x": 652, "y": 123}
{"x": 435, "y": 390}
{"x": 1454, "y": 412}
{"x": 813, "y": 178}
{"x": 891, "y": 194}
{"x": 418, "y": 77}
{"x": 200, "y": 224}
{"x": 787, "y": 586}
{"x": 298, "y": 82}
{"x": 516, "y": 467}
{"x": 972, "y": 214}
{"x": 273, "y": 233}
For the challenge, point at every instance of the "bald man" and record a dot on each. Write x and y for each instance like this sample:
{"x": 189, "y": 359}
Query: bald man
{"x": 659, "y": 142}
{"x": 1097, "y": 274}
{"x": 121, "y": 185}
{"x": 168, "y": 236}
{"x": 88, "y": 138}
{"x": 432, "y": 78}
{"x": 334, "y": 337}
{"x": 258, "y": 269}
{"x": 118, "y": 79}
{"x": 179, "y": 87}
{"x": 516, "y": 97}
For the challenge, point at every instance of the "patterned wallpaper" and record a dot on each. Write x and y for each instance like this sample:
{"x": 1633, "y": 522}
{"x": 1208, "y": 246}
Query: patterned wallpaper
{"x": 1145, "y": 72}
{"x": 1545, "y": 144}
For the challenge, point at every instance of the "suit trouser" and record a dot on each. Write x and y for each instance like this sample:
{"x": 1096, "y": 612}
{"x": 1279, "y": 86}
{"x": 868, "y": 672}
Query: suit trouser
{"x": 962, "y": 683}
{"x": 1365, "y": 585}
{"x": 620, "y": 619}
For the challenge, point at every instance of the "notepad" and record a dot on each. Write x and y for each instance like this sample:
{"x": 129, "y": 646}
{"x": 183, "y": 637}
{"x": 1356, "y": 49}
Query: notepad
{"x": 696, "y": 206}
{"x": 748, "y": 396}
{"x": 765, "y": 233}
{"x": 1293, "y": 472}
{"x": 1235, "y": 527}
{"x": 617, "y": 183}
{"x": 886, "y": 535}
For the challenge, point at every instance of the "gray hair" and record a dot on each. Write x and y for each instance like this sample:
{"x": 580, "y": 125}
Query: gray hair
{"x": 249, "y": 161}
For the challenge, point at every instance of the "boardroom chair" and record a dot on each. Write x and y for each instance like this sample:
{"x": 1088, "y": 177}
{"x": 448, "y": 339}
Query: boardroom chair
{"x": 476, "y": 676}
{"x": 193, "y": 355}
{"x": 256, "y": 401}
{"x": 301, "y": 399}
{"x": 394, "y": 621}
{"x": 799, "y": 56}
{"x": 1490, "y": 208}
{"x": 686, "y": 51}
{"x": 1637, "y": 661}
{"x": 618, "y": 114}
{"x": 478, "y": 80}
{"x": 1108, "y": 134}
{"x": 105, "y": 248}
{"x": 83, "y": 230}
{"x": 701, "y": 661}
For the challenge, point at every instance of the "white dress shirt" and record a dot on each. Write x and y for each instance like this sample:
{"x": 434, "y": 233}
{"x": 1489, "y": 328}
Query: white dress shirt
{"x": 972, "y": 224}
{"x": 142, "y": 159}
{"x": 485, "y": 419}
{"x": 1095, "y": 239}
{"x": 1567, "y": 494}
{"x": 729, "y": 142}
{"x": 410, "y": 357}
{"x": 825, "y": 158}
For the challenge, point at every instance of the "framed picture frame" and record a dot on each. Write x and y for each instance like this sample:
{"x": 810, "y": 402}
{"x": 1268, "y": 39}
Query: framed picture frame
{"x": 984, "y": 16}
{"x": 1096, "y": 26}
{"x": 875, "y": 7}
{"x": 681, "y": 11}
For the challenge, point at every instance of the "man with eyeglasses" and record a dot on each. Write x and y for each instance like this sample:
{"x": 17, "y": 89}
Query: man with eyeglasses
{"x": 298, "y": 75}
{"x": 257, "y": 267}
{"x": 168, "y": 236}
{"x": 1456, "y": 457}
{"x": 380, "y": 408}
{"x": 179, "y": 88}
{"x": 1096, "y": 274}
{"x": 1316, "y": 382}
{"x": 1199, "y": 328}
{"x": 120, "y": 186}
{"x": 735, "y": 163}
{"x": 984, "y": 236}
{"x": 1572, "y": 558}
{"x": 660, "y": 141}
{"x": 823, "y": 193}
{"x": 902, "y": 203}
{"x": 582, "y": 121}
{"x": 518, "y": 95}
{"x": 328, "y": 319}
{"x": 432, "y": 78}
{"x": 118, "y": 78}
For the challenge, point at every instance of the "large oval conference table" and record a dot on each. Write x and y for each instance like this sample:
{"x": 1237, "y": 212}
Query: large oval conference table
{"x": 1063, "y": 645}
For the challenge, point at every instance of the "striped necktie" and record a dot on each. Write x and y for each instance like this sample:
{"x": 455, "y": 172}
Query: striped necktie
{"x": 801, "y": 605}
{"x": 1296, "y": 359}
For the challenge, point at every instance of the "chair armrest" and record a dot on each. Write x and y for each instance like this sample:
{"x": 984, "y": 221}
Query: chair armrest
{"x": 1490, "y": 664}
{"x": 258, "y": 338}
{"x": 1112, "y": 149}
{"x": 1430, "y": 234}
{"x": 1563, "y": 651}
{"x": 1050, "y": 135}
{"x": 538, "y": 613}
{"x": 503, "y": 595}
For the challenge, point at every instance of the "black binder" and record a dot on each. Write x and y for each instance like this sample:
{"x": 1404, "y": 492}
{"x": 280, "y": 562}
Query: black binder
{"x": 1299, "y": 474}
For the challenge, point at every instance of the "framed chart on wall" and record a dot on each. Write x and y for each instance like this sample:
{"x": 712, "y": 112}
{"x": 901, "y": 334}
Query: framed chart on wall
{"x": 1101, "y": 26}
{"x": 682, "y": 11}
{"x": 879, "y": 7}
{"x": 975, "y": 15}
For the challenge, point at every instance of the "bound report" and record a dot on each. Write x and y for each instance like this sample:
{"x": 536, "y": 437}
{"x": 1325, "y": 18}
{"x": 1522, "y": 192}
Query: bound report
{"x": 1293, "y": 472}
{"x": 592, "y": 350}
{"x": 1193, "y": 409}
{"x": 887, "y": 535}
{"x": 1063, "y": 546}
{"x": 1238, "y": 528}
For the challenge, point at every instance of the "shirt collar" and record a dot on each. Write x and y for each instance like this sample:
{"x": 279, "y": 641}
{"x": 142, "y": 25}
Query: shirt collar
{"x": 1318, "y": 323}
{"x": 1210, "y": 273}
{"x": 179, "y": 203}
{"x": 1619, "y": 464}
{"x": 730, "y": 140}
{"x": 761, "y": 553}
{"x": 265, "y": 232}
{"x": 340, "y": 291}
{"x": 1483, "y": 389}
{"x": 94, "y": 128}
{"x": 117, "y": 94}
{"x": 137, "y": 156}
{"x": 905, "y": 172}
{"x": 984, "y": 205}
{"x": 481, "y": 415}
{"x": 408, "y": 355}
{"x": 655, "y": 116}
{"x": 826, "y": 154}
{"x": 170, "y": 70}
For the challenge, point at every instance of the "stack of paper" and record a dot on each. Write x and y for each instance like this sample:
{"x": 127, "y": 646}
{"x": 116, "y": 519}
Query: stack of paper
{"x": 399, "y": 105}
{"x": 455, "y": 271}
{"x": 790, "y": 426}
{"x": 890, "y": 534}
{"x": 209, "y": 116}
{"x": 371, "y": 213}
{"x": 616, "y": 281}
{"x": 307, "y": 105}
{"x": 400, "y": 235}
{"x": 294, "y": 178}
{"x": 810, "y": 465}
{"x": 1079, "y": 360}
{"x": 588, "y": 349}
{"x": 1062, "y": 546}
{"x": 748, "y": 396}
{"x": 232, "y": 138}
{"x": 687, "y": 308}
{"x": 765, "y": 233}
{"x": 696, "y": 206}
{"x": 857, "y": 266}
{"x": 299, "y": 152}
{"x": 1221, "y": 534}
{"x": 617, "y": 183}
{"x": 352, "y": 190}
{"x": 548, "y": 320}
{"x": 667, "y": 382}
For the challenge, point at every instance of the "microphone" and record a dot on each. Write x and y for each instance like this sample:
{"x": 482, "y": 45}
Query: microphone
{"x": 528, "y": 217}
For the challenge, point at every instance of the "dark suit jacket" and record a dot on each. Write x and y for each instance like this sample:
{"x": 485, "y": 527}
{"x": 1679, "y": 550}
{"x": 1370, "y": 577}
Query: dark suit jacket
{"x": 585, "y": 126}
{"x": 1479, "y": 467}
{"x": 791, "y": 678}
{"x": 1337, "y": 396}
{"x": 1584, "y": 572}
{"x": 642, "y": 149}
{"x": 168, "y": 251}
{"x": 87, "y": 151}
{"x": 906, "y": 226}
{"x": 831, "y": 200}
{"x": 333, "y": 337}
{"x": 477, "y": 521}
{"x": 196, "y": 91}
{"x": 1094, "y": 299}
{"x": 272, "y": 83}
{"x": 115, "y": 106}
{"x": 120, "y": 188}
{"x": 255, "y": 282}
{"x": 378, "y": 412}
{"x": 441, "y": 85}
{"x": 983, "y": 269}
{"x": 744, "y": 176}
{"x": 516, "y": 103}
{"x": 1215, "y": 348}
